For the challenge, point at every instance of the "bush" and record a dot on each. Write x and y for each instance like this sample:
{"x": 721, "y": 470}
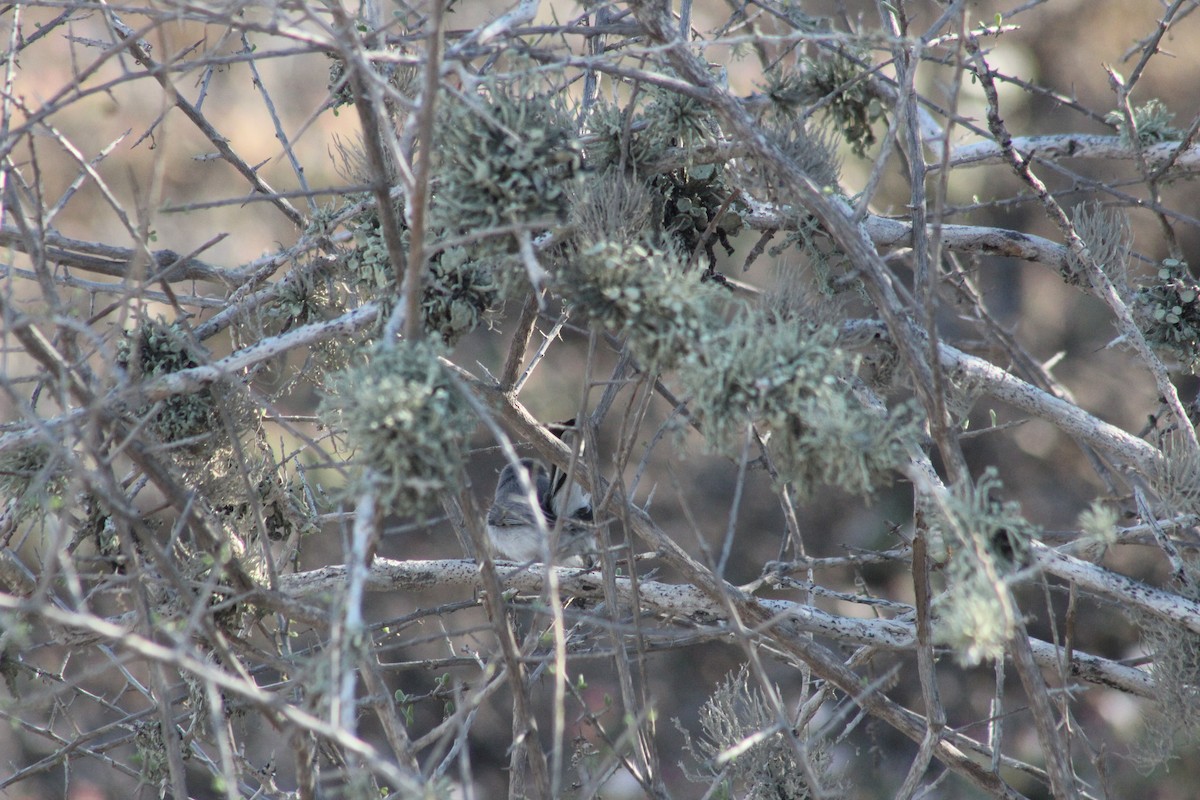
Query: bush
{"x": 877, "y": 345}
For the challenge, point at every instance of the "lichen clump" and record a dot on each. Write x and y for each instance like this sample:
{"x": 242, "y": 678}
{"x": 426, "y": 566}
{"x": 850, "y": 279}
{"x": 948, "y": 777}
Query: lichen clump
{"x": 743, "y": 746}
{"x": 157, "y": 348}
{"x": 406, "y": 422}
{"x": 679, "y": 120}
{"x": 1172, "y": 722}
{"x": 985, "y": 542}
{"x": 458, "y": 290}
{"x": 841, "y": 82}
{"x": 791, "y": 380}
{"x": 693, "y": 206}
{"x": 1153, "y": 123}
{"x": 505, "y": 157}
{"x": 31, "y": 478}
{"x": 698, "y": 210}
{"x": 613, "y": 141}
{"x": 1168, "y": 312}
{"x": 457, "y": 294}
{"x": 633, "y": 290}
{"x": 1108, "y": 240}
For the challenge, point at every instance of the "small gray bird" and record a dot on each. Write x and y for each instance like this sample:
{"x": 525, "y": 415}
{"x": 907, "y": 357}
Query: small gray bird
{"x": 512, "y": 523}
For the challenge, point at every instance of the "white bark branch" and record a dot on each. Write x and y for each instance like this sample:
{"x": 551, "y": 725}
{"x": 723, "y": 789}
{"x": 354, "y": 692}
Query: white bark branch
{"x": 888, "y": 232}
{"x": 1072, "y": 145}
{"x": 978, "y": 373}
{"x": 683, "y": 602}
{"x": 1124, "y": 590}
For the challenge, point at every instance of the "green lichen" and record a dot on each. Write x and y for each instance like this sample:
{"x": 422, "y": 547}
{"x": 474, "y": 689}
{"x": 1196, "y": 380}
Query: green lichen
{"x": 633, "y": 290}
{"x": 1108, "y": 241}
{"x": 1168, "y": 312}
{"x": 792, "y": 381}
{"x": 405, "y": 421}
{"x": 31, "y": 479}
{"x": 985, "y": 542}
{"x": 1153, "y": 123}
{"x": 676, "y": 119}
{"x": 619, "y": 138}
{"x": 1172, "y": 722}
{"x": 157, "y": 348}
{"x": 457, "y": 294}
{"x": 611, "y": 206}
{"x": 743, "y": 747}
{"x": 459, "y": 289}
{"x": 505, "y": 157}
{"x": 840, "y": 81}
{"x": 699, "y": 210}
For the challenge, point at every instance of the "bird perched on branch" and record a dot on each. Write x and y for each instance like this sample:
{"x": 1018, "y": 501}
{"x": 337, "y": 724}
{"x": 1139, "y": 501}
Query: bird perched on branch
{"x": 517, "y": 527}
